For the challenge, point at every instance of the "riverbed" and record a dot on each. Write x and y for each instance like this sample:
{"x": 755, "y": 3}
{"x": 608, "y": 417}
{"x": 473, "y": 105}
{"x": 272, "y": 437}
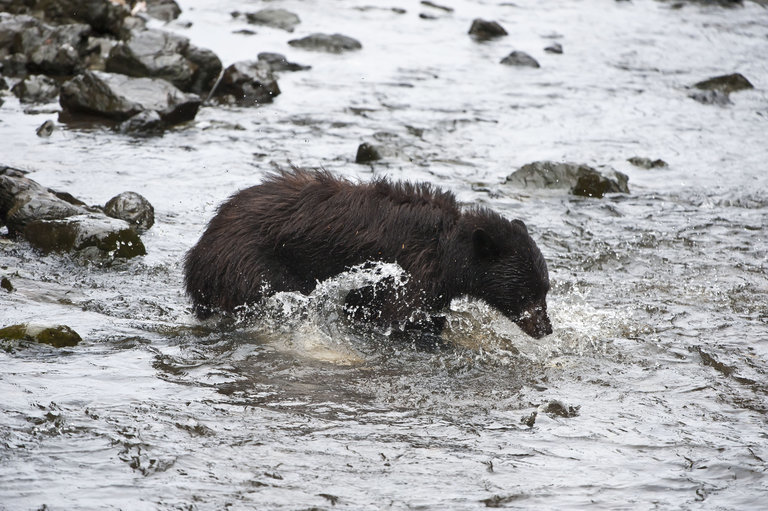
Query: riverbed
{"x": 652, "y": 392}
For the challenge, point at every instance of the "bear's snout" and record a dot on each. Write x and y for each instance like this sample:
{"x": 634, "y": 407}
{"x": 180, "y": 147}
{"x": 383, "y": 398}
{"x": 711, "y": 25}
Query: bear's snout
{"x": 535, "y": 322}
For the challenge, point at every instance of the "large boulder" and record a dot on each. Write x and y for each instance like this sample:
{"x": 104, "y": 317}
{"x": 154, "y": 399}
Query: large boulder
{"x": 56, "y": 221}
{"x": 247, "y": 83}
{"x": 579, "y": 179}
{"x": 119, "y": 97}
{"x": 28, "y": 45}
{"x": 160, "y": 54}
{"x": 330, "y": 43}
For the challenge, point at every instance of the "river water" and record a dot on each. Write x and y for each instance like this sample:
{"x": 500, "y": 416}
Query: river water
{"x": 651, "y": 394}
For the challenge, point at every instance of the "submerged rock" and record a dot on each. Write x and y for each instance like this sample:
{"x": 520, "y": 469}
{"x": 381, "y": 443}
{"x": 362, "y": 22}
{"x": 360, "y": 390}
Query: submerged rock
{"x": 278, "y": 62}
{"x": 647, "y": 163}
{"x": 725, "y": 83}
{"x": 367, "y": 153}
{"x": 483, "y": 30}
{"x": 159, "y": 54}
{"x": 5, "y": 283}
{"x": 58, "y": 336}
{"x": 711, "y": 97}
{"x": 146, "y": 123}
{"x": 555, "y": 48}
{"x": 519, "y": 58}
{"x": 133, "y": 208}
{"x": 36, "y": 89}
{"x": 331, "y": 43}
{"x": 275, "y": 18}
{"x": 247, "y": 83}
{"x": 46, "y": 129}
{"x": 580, "y": 179}
{"x": 119, "y": 97}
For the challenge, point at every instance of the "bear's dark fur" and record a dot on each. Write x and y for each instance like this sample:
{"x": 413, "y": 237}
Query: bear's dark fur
{"x": 300, "y": 227}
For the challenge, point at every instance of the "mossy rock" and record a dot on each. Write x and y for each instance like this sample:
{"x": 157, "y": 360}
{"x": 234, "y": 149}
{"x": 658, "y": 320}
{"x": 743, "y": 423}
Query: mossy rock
{"x": 59, "y": 336}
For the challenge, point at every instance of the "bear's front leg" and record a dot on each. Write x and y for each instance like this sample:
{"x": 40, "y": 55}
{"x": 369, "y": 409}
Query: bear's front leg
{"x": 401, "y": 309}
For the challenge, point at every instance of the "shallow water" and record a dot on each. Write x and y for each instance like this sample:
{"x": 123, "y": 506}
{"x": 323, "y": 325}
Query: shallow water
{"x": 659, "y": 299}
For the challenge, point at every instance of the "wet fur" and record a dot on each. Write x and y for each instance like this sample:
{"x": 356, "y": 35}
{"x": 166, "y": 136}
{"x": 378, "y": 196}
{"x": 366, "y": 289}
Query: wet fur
{"x": 300, "y": 227}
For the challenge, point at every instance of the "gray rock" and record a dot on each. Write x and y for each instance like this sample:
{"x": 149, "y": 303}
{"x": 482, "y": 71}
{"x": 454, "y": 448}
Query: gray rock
{"x": 367, "y": 153}
{"x": 46, "y": 129}
{"x": 56, "y": 221}
{"x": 164, "y": 10}
{"x": 555, "y": 48}
{"x": 119, "y": 97}
{"x": 331, "y": 43}
{"x": 146, "y": 123}
{"x": 725, "y": 83}
{"x": 28, "y": 45}
{"x": 647, "y": 163}
{"x": 275, "y": 18}
{"x": 247, "y": 83}
{"x": 36, "y": 89}
{"x": 133, "y": 208}
{"x": 278, "y": 62}
{"x": 483, "y": 29}
{"x": 579, "y": 179}
{"x": 711, "y": 97}
{"x": 159, "y": 54}
{"x": 520, "y": 59}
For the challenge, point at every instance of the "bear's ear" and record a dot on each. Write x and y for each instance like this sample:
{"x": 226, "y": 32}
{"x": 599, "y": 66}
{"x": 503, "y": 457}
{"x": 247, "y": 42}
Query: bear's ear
{"x": 483, "y": 244}
{"x": 520, "y": 223}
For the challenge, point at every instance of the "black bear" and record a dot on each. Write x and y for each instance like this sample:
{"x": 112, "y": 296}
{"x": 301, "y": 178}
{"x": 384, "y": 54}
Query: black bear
{"x": 300, "y": 227}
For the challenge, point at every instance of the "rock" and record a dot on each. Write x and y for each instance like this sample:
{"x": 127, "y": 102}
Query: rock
{"x": 277, "y": 62}
{"x": 133, "y": 208}
{"x": 103, "y": 16}
{"x": 556, "y": 408}
{"x": 119, "y": 97}
{"x": 711, "y": 97}
{"x": 647, "y": 163}
{"x": 555, "y": 48}
{"x": 159, "y": 54}
{"x": 725, "y": 84}
{"x": 5, "y": 283}
{"x": 163, "y": 10}
{"x": 519, "y": 58}
{"x": 36, "y": 89}
{"x": 483, "y": 30}
{"x": 46, "y": 129}
{"x": 334, "y": 43}
{"x": 111, "y": 236}
{"x": 56, "y": 221}
{"x": 367, "y": 153}
{"x": 247, "y": 83}
{"x": 28, "y": 45}
{"x": 275, "y": 18}
{"x": 427, "y": 3}
{"x": 580, "y": 179}
{"x": 58, "y": 336}
{"x": 146, "y": 123}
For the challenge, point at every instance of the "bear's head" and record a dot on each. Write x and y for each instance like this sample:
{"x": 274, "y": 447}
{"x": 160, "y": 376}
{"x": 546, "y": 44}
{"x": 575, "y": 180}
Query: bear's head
{"x": 510, "y": 274}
